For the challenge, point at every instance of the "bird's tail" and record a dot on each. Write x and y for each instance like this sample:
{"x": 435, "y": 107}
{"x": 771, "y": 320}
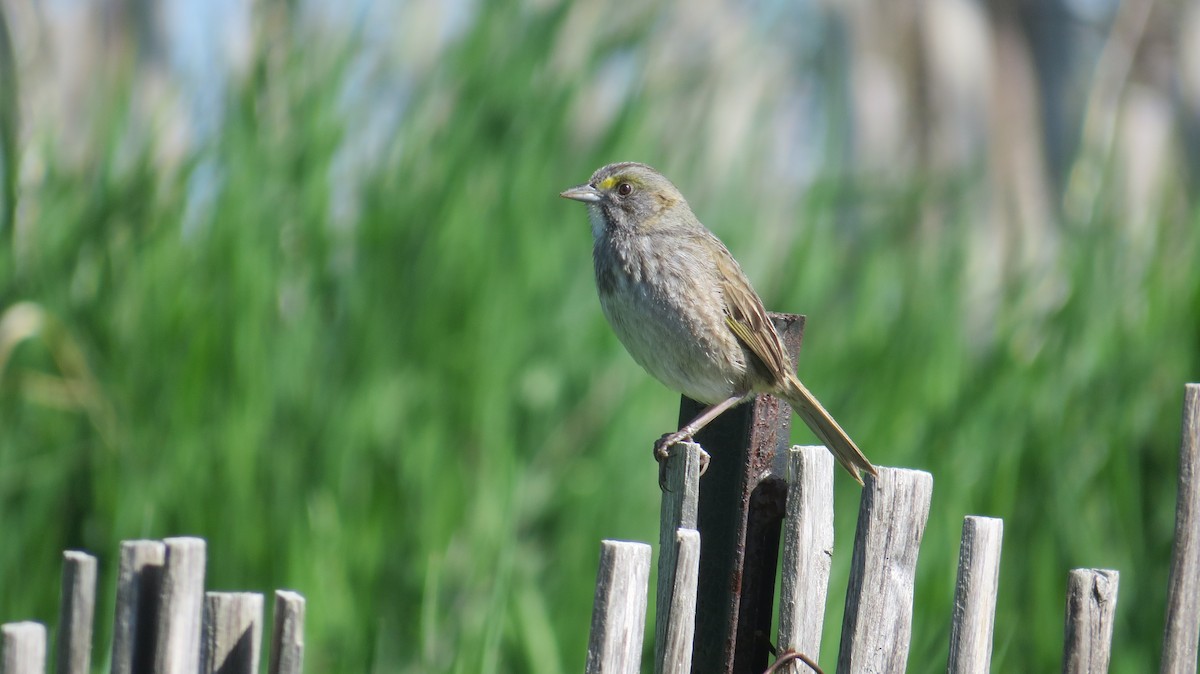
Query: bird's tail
{"x": 827, "y": 429}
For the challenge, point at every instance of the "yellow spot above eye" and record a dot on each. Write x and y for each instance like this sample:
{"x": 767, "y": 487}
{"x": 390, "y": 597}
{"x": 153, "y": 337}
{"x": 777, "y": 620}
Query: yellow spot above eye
{"x": 607, "y": 183}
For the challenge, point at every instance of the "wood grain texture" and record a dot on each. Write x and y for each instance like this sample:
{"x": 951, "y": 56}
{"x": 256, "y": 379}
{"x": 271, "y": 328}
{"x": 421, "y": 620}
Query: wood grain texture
{"x": 1182, "y": 628}
{"x": 678, "y": 511}
{"x": 877, "y": 625}
{"x": 181, "y": 607}
{"x": 135, "y": 626}
{"x": 287, "y": 641}
{"x": 24, "y": 648}
{"x": 619, "y": 609}
{"x": 676, "y": 650}
{"x": 76, "y": 612}
{"x": 1091, "y": 607}
{"x": 232, "y": 635}
{"x": 807, "y": 550}
{"x": 974, "y": 617}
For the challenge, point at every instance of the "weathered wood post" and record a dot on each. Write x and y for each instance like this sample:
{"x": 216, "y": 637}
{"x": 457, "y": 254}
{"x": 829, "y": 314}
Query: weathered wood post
{"x": 23, "y": 648}
{"x": 975, "y": 590}
{"x": 877, "y": 624}
{"x": 673, "y": 651}
{"x": 76, "y": 610}
{"x": 619, "y": 609}
{"x": 678, "y": 562}
{"x": 287, "y": 640}
{"x": 232, "y": 634}
{"x": 807, "y": 550}
{"x": 740, "y": 513}
{"x": 181, "y": 607}
{"x": 135, "y": 627}
{"x": 1091, "y": 607}
{"x": 1183, "y": 589}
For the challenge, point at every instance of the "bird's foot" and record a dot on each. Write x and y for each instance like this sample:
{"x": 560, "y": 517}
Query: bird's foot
{"x": 662, "y": 452}
{"x": 663, "y": 445}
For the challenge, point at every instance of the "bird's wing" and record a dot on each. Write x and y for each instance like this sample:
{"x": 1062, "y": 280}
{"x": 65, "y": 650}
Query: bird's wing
{"x": 746, "y": 317}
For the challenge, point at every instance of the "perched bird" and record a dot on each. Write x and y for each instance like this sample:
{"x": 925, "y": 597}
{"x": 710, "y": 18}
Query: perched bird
{"x": 684, "y": 310}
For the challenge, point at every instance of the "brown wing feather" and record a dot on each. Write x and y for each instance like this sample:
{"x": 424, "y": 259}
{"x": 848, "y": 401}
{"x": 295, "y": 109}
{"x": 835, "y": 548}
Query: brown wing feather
{"x": 746, "y": 317}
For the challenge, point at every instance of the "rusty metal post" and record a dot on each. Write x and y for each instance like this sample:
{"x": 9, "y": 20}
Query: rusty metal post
{"x": 740, "y": 515}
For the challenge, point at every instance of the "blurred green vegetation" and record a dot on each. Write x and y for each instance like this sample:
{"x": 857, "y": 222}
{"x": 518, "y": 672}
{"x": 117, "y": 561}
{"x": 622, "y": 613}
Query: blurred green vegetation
{"x": 421, "y": 422}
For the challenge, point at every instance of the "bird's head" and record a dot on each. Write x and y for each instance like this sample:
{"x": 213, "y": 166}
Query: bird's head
{"x": 627, "y": 196}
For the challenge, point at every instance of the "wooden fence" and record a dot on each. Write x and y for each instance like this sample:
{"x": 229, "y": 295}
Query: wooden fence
{"x": 165, "y": 622}
{"x": 879, "y": 600}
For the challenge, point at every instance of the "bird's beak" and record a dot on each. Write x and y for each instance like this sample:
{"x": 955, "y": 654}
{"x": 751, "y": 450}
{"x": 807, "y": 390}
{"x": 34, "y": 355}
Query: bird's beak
{"x": 585, "y": 193}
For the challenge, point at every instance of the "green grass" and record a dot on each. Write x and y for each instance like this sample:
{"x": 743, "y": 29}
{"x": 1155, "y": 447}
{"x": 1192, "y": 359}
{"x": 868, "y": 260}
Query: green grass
{"x": 419, "y": 419}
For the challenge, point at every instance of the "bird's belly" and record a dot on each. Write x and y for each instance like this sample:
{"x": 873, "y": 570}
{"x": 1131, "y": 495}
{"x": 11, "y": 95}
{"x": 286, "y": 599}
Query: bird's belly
{"x": 687, "y": 348}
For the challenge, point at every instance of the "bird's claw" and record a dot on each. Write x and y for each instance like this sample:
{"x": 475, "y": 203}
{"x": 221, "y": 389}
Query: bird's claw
{"x": 662, "y": 452}
{"x": 663, "y": 445}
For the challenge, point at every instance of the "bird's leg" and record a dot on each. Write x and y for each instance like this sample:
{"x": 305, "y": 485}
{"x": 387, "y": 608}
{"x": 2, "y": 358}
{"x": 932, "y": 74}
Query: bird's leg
{"x": 693, "y": 427}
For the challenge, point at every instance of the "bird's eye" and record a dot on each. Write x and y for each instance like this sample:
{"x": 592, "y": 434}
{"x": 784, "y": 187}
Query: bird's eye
{"x": 624, "y": 189}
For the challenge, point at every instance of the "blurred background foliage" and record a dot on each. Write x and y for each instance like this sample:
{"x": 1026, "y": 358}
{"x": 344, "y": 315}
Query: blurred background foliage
{"x": 294, "y": 277}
